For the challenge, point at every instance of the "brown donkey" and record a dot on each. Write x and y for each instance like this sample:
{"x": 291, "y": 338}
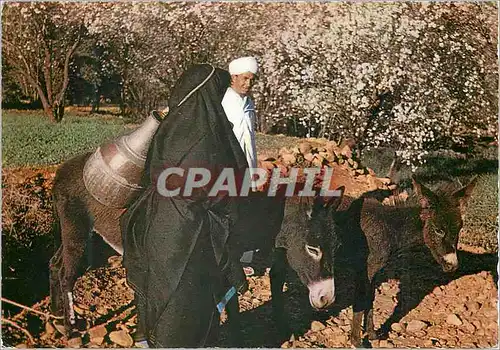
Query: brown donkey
{"x": 377, "y": 234}
{"x": 77, "y": 215}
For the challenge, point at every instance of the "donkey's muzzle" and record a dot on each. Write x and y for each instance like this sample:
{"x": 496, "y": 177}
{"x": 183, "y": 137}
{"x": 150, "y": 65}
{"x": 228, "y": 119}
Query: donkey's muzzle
{"x": 450, "y": 262}
{"x": 322, "y": 293}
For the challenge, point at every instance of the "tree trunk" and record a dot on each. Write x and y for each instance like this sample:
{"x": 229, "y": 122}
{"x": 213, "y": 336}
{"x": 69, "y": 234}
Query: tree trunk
{"x": 96, "y": 100}
{"x": 58, "y": 112}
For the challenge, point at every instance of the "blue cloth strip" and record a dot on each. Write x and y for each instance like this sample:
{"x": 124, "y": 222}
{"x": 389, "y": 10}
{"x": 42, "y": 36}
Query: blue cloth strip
{"x": 229, "y": 294}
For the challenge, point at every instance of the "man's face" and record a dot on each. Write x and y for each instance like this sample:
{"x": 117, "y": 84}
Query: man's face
{"x": 242, "y": 83}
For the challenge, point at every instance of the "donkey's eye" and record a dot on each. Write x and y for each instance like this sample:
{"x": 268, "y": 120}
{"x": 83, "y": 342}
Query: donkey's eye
{"x": 314, "y": 252}
{"x": 440, "y": 233}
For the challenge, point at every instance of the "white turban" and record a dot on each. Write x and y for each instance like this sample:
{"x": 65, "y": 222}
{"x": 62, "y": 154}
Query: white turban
{"x": 243, "y": 65}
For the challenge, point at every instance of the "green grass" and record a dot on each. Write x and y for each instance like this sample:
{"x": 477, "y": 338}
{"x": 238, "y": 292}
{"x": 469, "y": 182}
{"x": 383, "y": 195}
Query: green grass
{"x": 30, "y": 139}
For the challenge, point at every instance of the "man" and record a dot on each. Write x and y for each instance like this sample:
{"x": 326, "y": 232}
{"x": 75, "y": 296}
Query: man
{"x": 240, "y": 109}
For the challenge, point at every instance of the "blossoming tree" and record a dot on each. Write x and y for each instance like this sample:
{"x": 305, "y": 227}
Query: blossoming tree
{"x": 407, "y": 75}
{"x": 39, "y": 41}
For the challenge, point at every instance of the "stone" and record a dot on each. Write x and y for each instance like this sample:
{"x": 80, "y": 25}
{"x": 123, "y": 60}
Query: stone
{"x": 490, "y": 312}
{"x": 393, "y": 335}
{"x": 327, "y": 332}
{"x": 318, "y": 161}
{"x": 437, "y": 291}
{"x": 460, "y": 309}
{"x": 396, "y": 327}
{"x": 101, "y": 310}
{"x": 75, "y": 342}
{"x": 327, "y": 155}
{"x": 60, "y": 328}
{"x": 420, "y": 334}
{"x": 309, "y": 157}
{"x": 97, "y": 341}
{"x": 415, "y": 326}
{"x": 469, "y": 327}
{"x": 121, "y": 338}
{"x": 305, "y": 147}
{"x": 97, "y": 332}
{"x": 371, "y": 172}
{"x": 477, "y": 324}
{"x": 317, "y": 326}
{"x": 383, "y": 343}
{"x": 345, "y": 328}
{"x": 473, "y": 306}
{"x": 340, "y": 339}
{"x": 288, "y": 159}
{"x": 451, "y": 343}
{"x": 332, "y": 321}
{"x": 454, "y": 320}
{"x": 331, "y": 145}
{"x": 346, "y": 151}
{"x": 49, "y": 329}
{"x": 492, "y": 326}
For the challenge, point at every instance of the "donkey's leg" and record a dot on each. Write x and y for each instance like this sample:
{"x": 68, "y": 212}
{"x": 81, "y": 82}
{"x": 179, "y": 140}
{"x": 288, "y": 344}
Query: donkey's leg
{"x": 363, "y": 305}
{"x": 76, "y": 226}
{"x": 56, "y": 301}
{"x": 277, "y": 276}
{"x": 369, "y": 325}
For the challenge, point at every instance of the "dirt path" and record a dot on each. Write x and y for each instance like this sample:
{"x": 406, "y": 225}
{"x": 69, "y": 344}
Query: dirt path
{"x": 447, "y": 311}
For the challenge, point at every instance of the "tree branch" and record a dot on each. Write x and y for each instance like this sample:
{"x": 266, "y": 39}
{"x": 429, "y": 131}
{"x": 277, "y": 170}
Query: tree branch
{"x": 15, "y": 325}
{"x": 31, "y": 309}
{"x": 69, "y": 54}
{"x": 47, "y": 71}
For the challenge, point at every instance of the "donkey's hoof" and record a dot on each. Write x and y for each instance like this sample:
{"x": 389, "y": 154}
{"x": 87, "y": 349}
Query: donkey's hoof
{"x": 284, "y": 332}
{"x": 361, "y": 343}
{"x": 356, "y": 342}
{"x": 367, "y": 344}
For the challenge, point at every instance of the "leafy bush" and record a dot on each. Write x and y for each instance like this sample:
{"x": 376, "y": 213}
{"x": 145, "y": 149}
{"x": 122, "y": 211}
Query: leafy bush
{"x": 481, "y": 221}
{"x": 30, "y": 139}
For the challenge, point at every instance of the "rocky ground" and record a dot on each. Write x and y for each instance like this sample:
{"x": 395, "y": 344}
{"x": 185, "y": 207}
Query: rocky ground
{"x": 457, "y": 310}
{"x": 423, "y": 307}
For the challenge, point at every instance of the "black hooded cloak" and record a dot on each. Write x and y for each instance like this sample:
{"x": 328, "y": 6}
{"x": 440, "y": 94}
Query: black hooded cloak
{"x": 175, "y": 248}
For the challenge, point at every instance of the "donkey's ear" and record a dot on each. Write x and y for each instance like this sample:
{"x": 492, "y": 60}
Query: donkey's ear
{"x": 330, "y": 202}
{"x": 334, "y": 201}
{"x": 425, "y": 196}
{"x": 463, "y": 195}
